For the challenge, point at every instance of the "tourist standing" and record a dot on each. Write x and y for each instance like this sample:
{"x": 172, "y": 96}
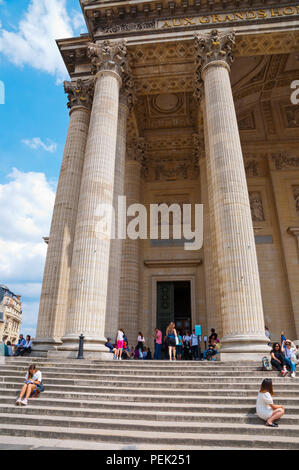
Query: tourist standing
{"x": 140, "y": 344}
{"x": 267, "y": 333}
{"x": 171, "y": 341}
{"x": 158, "y": 343}
{"x": 265, "y": 409}
{"x": 179, "y": 347}
{"x": 194, "y": 346}
{"x": 120, "y": 343}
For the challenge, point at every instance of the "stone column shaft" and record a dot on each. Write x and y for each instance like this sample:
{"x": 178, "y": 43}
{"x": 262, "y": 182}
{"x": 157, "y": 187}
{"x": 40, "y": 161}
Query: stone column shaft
{"x": 90, "y": 264}
{"x": 130, "y": 264}
{"x": 54, "y": 297}
{"x": 112, "y": 321}
{"x": 234, "y": 243}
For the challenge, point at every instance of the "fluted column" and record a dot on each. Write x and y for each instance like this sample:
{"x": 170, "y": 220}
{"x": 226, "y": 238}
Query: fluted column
{"x": 234, "y": 244}
{"x": 112, "y": 321}
{"x": 130, "y": 264}
{"x": 90, "y": 263}
{"x": 54, "y": 296}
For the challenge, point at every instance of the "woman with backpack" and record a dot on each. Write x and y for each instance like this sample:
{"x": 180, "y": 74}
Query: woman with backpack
{"x": 33, "y": 385}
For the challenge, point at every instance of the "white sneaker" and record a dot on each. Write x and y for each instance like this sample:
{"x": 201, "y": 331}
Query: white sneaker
{"x": 24, "y": 402}
{"x": 293, "y": 374}
{"x": 18, "y": 402}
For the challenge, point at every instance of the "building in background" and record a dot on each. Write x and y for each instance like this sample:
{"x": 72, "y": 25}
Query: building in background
{"x": 10, "y": 315}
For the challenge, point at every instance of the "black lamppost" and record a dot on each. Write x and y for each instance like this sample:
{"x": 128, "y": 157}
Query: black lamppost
{"x": 80, "y": 352}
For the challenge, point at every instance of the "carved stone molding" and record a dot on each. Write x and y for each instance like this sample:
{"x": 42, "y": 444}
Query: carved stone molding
{"x": 295, "y": 232}
{"x": 80, "y": 93}
{"x": 136, "y": 150}
{"x": 109, "y": 56}
{"x": 199, "y": 150}
{"x": 256, "y": 206}
{"x": 284, "y": 161}
{"x": 295, "y": 190}
{"x": 251, "y": 168}
{"x": 165, "y": 172}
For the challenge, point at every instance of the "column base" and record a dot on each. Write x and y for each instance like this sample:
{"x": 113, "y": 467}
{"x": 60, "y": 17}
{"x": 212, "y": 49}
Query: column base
{"x": 93, "y": 348}
{"x": 43, "y": 345}
{"x": 240, "y": 357}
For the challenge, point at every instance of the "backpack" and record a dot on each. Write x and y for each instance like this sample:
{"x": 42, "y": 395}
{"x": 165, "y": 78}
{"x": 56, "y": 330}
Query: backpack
{"x": 266, "y": 364}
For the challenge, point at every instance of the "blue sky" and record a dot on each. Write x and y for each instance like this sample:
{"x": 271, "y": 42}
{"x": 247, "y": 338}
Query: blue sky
{"x": 34, "y": 121}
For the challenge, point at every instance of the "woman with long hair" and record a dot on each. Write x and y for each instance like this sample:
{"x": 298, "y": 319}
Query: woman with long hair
{"x": 265, "y": 408}
{"x": 140, "y": 344}
{"x": 171, "y": 335}
{"x": 289, "y": 350}
{"x": 119, "y": 343}
{"x": 32, "y": 386}
{"x": 278, "y": 359}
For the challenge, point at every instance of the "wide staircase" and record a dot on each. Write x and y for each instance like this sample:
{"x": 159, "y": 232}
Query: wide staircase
{"x": 146, "y": 405}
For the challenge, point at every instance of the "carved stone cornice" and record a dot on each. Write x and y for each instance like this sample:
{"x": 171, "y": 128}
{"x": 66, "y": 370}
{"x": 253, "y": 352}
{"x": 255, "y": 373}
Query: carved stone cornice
{"x": 80, "y": 93}
{"x": 109, "y": 56}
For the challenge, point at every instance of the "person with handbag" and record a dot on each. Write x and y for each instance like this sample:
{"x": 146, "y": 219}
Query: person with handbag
{"x": 171, "y": 340}
{"x": 140, "y": 344}
{"x": 33, "y": 386}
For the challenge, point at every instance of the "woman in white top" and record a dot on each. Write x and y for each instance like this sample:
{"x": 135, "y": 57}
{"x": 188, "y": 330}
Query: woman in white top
{"x": 265, "y": 409}
{"x": 120, "y": 343}
{"x": 33, "y": 384}
{"x": 140, "y": 344}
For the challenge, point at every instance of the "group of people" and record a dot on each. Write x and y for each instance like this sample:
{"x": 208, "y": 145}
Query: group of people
{"x": 175, "y": 345}
{"x": 121, "y": 350}
{"x": 283, "y": 356}
{"x": 23, "y": 346}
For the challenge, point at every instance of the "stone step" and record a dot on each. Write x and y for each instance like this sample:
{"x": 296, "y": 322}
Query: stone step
{"x": 173, "y": 440}
{"x": 67, "y": 403}
{"x": 170, "y": 427}
{"x": 156, "y": 416}
{"x": 137, "y": 426}
{"x": 174, "y": 380}
{"x": 146, "y": 397}
{"x": 139, "y": 383}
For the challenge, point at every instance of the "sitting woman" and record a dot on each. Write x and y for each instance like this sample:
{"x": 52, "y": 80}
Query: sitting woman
{"x": 33, "y": 385}
{"x": 278, "y": 359}
{"x": 265, "y": 409}
{"x": 289, "y": 350}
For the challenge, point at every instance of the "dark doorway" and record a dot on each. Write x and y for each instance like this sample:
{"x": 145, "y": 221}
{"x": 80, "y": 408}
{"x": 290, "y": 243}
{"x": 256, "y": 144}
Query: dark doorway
{"x": 174, "y": 304}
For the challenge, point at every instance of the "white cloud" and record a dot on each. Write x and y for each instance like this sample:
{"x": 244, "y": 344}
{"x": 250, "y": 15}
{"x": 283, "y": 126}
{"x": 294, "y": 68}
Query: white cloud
{"x": 34, "y": 42}
{"x": 37, "y": 143}
{"x": 26, "y": 203}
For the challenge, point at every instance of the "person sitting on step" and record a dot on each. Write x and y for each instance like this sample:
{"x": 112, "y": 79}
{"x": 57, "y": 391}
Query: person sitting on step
{"x": 289, "y": 350}
{"x": 265, "y": 409}
{"x": 278, "y": 359}
{"x": 33, "y": 385}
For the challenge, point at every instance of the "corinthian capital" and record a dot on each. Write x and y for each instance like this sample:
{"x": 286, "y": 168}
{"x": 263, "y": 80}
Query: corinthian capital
{"x": 80, "y": 93}
{"x": 213, "y": 47}
{"x": 108, "y": 56}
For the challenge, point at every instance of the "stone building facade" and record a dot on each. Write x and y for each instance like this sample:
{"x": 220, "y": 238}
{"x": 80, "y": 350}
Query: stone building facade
{"x": 10, "y": 315}
{"x": 187, "y": 102}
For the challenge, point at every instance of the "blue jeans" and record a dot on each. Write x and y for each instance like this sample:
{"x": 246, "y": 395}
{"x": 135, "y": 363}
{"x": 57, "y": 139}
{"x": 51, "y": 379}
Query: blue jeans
{"x": 158, "y": 349}
{"x": 291, "y": 364}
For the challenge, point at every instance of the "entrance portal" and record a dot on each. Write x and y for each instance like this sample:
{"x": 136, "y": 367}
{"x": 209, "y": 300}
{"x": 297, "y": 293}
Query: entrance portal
{"x": 174, "y": 304}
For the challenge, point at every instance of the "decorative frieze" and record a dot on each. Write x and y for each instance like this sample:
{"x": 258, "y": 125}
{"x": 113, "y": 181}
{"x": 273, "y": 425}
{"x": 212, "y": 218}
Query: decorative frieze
{"x": 283, "y": 161}
{"x": 251, "y": 168}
